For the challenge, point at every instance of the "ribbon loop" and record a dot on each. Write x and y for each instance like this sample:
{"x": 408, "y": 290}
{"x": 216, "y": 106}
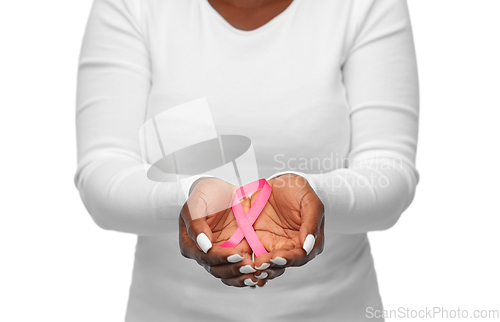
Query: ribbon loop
{"x": 246, "y": 220}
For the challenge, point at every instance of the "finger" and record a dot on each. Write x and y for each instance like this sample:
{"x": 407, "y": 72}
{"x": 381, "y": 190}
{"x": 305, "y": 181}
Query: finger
{"x": 297, "y": 256}
{"x": 215, "y": 256}
{"x": 275, "y": 272}
{"x": 187, "y": 246}
{"x": 264, "y": 264}
{"x": 192, "y": 247}
{"x": 241, "y": 281}
{"x": 261, "y": 283}
{"x": 197, "y": 229}
{"x": 270, "y": 273}
{"x": 290, "y": 258}
{"x": 245, "y": 266}
{"x": 222, "y": 256}
{"x": 221, "y": 262}
{"x": 210, "y": 197}
{"x": 263, "y": 261}
{"x": 311, "y": 213}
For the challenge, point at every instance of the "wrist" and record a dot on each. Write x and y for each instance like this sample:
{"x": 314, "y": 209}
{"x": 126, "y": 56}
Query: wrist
{"x": 287, "y": 172}
{"x": 309, "y": 180}
{"x": 301, "y": 174}
{"x": 189, "y": 184}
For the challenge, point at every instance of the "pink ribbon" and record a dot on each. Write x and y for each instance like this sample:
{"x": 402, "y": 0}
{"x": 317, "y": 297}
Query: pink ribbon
{"x": 246, "y": 220}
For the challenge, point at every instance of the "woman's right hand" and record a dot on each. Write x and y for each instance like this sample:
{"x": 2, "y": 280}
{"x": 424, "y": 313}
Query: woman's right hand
{"x": 207, "y": 220}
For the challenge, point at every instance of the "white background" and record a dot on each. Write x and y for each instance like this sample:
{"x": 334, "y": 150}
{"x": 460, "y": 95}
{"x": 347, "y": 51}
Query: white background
{"x": 57, "y": 265}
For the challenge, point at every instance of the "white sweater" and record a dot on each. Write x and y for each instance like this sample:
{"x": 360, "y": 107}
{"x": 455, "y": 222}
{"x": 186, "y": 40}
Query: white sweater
{"x": 328, "y": 89}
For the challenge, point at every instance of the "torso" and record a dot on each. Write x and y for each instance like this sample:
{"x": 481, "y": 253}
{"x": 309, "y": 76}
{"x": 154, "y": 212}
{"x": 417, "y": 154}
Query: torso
{"x": 257, "y": 82}
{"x": 280, "y": 85}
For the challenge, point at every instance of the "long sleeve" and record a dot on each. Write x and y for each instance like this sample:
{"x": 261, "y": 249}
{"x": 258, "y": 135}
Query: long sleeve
{"x": 114, "y": 80}
{"x": 380, "y": 76}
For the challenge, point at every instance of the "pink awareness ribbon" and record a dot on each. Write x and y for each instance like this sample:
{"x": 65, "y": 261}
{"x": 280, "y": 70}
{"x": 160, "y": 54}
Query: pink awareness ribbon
{"x": 246, "y": 220}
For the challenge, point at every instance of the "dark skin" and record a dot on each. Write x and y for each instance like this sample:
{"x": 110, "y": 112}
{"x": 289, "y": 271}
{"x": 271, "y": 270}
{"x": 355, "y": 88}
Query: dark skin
{"x": 292, "y": 212}
{"x": 249, "y": 14}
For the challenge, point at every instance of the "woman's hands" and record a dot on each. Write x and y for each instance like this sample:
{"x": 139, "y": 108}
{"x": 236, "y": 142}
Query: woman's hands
{"x": 291, "y": 225}
{"x": 291, "y": 228}
{"x": 207, "y": 220}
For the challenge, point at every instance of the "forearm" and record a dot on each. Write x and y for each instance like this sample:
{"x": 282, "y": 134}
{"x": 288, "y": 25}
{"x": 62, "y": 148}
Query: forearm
{"x": 367, "y": 198}
{"x": 114, "y": 81}
{"x": 119, "y": 196}
{"x": 380, "y": 76}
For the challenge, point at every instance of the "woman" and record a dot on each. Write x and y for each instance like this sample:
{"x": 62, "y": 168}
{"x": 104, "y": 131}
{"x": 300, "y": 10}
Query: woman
{"x": 328, "y": 93}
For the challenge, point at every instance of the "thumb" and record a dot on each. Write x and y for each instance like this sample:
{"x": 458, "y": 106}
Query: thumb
{"x": 311, "y": 213}
{"x": 194, "y": 215}
{"x": 210, "y": 197}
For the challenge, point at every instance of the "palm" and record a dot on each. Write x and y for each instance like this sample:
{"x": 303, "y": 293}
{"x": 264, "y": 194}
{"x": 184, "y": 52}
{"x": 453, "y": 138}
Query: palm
{"x": 223, "y": 225}
{"x": 279, "y": 222}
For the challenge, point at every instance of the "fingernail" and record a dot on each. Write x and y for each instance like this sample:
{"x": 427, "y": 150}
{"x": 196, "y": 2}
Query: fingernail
{"x": 247, "y": 269}
{"x": 262, "y": 275}
{"x": 308, "y": 243}
{"x": 203, "y": 242}
{"x": 279, "y": 261}
{"x": 249, "y": 282}
{"x": 235, "y": 258}
{"x": 263, "y": 266}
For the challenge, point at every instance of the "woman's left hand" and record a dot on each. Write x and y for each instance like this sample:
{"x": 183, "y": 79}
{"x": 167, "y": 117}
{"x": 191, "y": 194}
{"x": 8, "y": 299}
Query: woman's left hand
{"x": 291, "y": 225}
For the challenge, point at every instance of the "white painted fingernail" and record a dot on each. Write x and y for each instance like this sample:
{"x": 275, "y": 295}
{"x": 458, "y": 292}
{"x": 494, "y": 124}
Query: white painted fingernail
{"x": 203, "y": 242}
{"x": 279, "y": 261}
{"x": 247, "y": 269}
{"x": 308, "y": 243}
{"x": 235, "y": 258}
{"x": 263, "y": 266}
{"x": 262, "y": 275}
{"x": 249, "y": 282}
